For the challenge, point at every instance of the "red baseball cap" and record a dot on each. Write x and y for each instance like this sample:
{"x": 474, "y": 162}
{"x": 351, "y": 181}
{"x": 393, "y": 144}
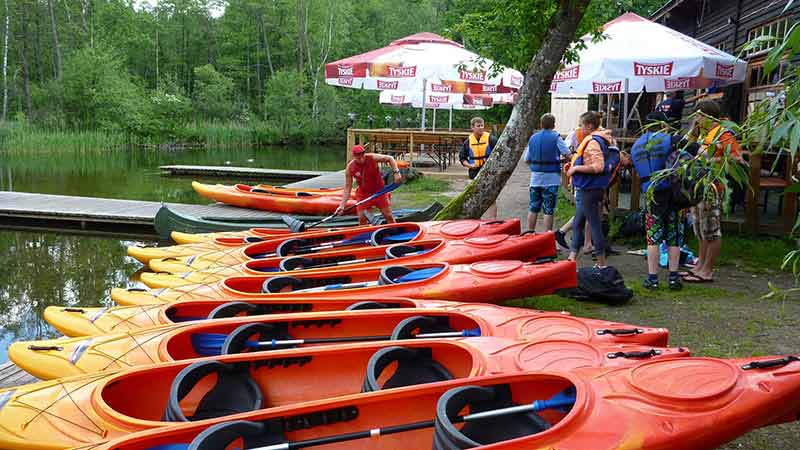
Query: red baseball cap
{"x": 357, "y": 150}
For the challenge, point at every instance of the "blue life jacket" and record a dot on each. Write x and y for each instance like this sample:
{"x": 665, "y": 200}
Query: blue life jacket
{"x": 649, "y": 155}
{"x": 543, "y": 154}
{"x": 595, "y": 180}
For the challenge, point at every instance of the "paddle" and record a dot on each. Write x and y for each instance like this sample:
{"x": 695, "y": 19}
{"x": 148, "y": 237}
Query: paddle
{"x": 210, "y": 344}
{"x": 562, "y": 399}
{"x": 417, "y": 275}
{"x": 298, "y": 226}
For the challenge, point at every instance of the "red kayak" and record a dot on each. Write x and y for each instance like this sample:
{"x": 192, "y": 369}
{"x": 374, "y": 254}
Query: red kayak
{"x": 485, "y": 282}
{"x": 53, "y": 358}
{"x": 102, "y": 407}
{"x": 318, "y": 241}
{"x": 666, "y": 404}
{"x": 244, "y": 196}
{"x": 526, "y": 247}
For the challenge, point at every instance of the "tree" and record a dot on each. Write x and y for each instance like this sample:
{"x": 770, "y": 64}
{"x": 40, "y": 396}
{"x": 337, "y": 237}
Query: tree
{"x": 213, "y": 93}
{"x": 484, "y": 189}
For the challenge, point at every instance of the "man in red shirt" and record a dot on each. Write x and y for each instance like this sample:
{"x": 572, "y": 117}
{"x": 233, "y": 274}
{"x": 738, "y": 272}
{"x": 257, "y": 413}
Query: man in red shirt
{"x": 364, "y": 169}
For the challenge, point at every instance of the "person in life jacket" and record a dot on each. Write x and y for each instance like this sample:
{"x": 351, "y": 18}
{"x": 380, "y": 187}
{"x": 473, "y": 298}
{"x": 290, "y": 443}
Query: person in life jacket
{"x": 590, "y": 178}
{"x": 718, "y": 144}
{"x": 663, "y": 223}
{"x": 543, "y": 156}
{"x": 474, "y": 153}
{"x": 363, "y": 168}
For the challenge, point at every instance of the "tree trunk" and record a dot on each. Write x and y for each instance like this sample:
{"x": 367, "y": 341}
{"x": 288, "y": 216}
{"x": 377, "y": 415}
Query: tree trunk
{"x": 56, "y": 44}
{"x": 37, "y": 49}
{"x": 265, "y": 40}
{"x": 301, "y": 38}
{"x": 5, "y": 64}
{"x": 484, "y": 189}
{"x": 23, "y": 57}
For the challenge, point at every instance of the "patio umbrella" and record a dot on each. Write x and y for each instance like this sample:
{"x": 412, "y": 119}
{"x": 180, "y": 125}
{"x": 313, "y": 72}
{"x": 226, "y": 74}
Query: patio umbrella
{"x": 639, "y": 55}
{"x": 410, "y": 63}
{"x": 436, "y": 101}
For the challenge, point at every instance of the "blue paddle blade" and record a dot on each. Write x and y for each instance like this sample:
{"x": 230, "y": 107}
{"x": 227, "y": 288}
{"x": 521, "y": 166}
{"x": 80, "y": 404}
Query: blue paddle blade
{"x": 208, "y": 344}
{"x": 363, "y": 237}
{"x": 268, "y": 269}
{"x": 417, "y": 275}
{"x": 170, "y": 447}
{"x": 564, "y": 400}
{"x": 473, "y": 332}
{"x": 400, "y": 237}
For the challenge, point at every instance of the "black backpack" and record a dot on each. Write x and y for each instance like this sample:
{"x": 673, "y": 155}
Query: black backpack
{"x": 599, "y": 285}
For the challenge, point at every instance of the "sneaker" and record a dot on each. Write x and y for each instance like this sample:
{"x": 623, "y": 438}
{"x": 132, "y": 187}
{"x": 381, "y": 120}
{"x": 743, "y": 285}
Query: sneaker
{"x": 561, "y": 239}
{"x": 675, "y": 284}
{"x": 651, "y": 284}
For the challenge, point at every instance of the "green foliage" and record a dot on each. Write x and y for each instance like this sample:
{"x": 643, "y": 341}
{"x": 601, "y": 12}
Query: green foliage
{"x": 287, "y": 104}
{"x": 213, "y": 93}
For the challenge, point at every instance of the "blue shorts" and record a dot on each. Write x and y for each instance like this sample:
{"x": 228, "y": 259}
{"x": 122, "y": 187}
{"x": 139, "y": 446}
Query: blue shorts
{"x": 543, "y": 197}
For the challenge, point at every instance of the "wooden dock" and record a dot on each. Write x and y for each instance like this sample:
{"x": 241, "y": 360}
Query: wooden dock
{"x": 23, "y": 210}
{"x": 11, "y": 375}
{"x": 244, "y": 172}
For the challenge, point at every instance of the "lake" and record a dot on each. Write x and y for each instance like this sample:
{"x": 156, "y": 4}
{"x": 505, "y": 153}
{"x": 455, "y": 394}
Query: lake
{"x": 41, "y": 269}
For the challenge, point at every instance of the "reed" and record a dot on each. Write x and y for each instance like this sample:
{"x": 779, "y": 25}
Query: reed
{"x": 19, "y": 136}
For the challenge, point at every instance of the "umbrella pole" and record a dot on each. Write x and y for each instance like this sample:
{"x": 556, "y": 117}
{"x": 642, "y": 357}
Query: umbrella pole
{"x": 422, "y": 125}
{"x": 625, "y": 108}
{"x": 434, "y": 120}
{"x": 450, "y": 126}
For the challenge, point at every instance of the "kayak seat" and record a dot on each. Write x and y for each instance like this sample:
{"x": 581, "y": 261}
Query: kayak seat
{"x": 303, "y": 194}
{"x": 392, "y": 235}
{"x": 289, "y": 246}
{"x": 422, "y": 324}
{"x": 250, "y": 434}
{"x": 275, "y": 285}
{"x": 299, "y": 262}
{"x": 398, "y": 251}
{"x": 484, "y": 431}
{"x": 235, "y": 392}
{"x": 231, "y": 309}
{"x": 390, "y": 273}
{"x": 414, "y": 366}
{"x": 242, "y": 339}
{"x": 252, "y": 239}
{"x": 360, "y": 306}
{"x": 259, "y": 191}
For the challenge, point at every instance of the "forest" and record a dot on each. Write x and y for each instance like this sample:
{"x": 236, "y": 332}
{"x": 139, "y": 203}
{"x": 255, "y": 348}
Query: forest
{"x": 250, "y": 72}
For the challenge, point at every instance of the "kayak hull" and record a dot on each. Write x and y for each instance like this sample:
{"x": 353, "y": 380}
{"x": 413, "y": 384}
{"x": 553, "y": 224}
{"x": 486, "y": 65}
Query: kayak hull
{"x": 673, "y": 403}
{"x": 528, "y": 247}
{"x": 243, "y": 196}
{"x": 48, "y": 359}
{"x": 484, "y": 282}
{"x": 140, "y": 399}
{"x": 454, "y": 229}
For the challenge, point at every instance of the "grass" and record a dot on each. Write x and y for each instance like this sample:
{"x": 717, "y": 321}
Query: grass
{"x": 20, "y": 136}
{"x": 421, "y": 192}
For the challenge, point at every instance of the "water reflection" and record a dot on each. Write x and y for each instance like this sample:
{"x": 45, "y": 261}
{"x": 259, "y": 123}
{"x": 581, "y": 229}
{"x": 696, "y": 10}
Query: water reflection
{"x": 43, "y": 269}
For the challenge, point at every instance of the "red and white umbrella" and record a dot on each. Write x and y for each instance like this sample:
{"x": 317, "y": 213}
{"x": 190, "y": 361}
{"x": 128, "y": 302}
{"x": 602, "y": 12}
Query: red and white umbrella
{"x": 650, "y": 57}
{"x": 425, "y": 63}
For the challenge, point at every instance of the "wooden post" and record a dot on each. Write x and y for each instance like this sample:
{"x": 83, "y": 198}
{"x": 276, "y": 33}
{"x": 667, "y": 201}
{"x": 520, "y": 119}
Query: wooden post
{"x": 789, "y": 199}
{"x": 636, "y": 190}
{"x": 411, "y": 149}
{"x": 351, "y": 141}
{"x": 753, "y": 194}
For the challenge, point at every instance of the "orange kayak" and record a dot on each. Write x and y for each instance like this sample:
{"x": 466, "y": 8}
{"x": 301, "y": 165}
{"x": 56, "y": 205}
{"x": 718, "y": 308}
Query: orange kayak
{"x": 666, "y": 404}
{"x": 295, "y": 192}
{"x": 53, "y": 358}
{"x": 109, "y": 406}
{"x": 197, "y": 238}
{"x": 421, "y": 230}
{"x": 84, "y": 321}
{"x": 485, "y": 282}
{"x": 231, "y": 253}
{"x": 527, "y": 247}
{"x": 245, "y": 196}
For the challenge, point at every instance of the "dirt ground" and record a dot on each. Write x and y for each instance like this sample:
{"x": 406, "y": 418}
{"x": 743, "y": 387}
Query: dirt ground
{"x": 727, "y": 318}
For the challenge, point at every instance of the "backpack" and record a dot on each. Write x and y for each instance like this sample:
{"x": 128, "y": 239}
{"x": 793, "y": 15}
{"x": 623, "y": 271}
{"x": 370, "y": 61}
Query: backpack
{"x": 599, "y": 285}
{"x": 683, "y": 194}
{"x": 612, "y": 163}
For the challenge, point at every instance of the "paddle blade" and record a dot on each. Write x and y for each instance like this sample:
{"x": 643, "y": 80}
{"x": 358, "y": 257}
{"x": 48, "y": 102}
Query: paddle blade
{"x": 295, "y": 225}
{"x": 417, "y": 275}
{"x": 564, "y": 400}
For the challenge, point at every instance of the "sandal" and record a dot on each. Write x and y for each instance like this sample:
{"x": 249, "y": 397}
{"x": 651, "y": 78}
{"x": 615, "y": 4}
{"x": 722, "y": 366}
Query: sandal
{"x": 693, "y": 278}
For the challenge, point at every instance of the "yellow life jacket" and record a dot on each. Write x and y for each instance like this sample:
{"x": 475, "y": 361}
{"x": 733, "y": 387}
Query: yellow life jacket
{"x": 479, "y": 149}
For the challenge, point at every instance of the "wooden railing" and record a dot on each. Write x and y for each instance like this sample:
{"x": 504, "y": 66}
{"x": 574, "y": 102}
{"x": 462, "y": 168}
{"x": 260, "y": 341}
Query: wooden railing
{"x": 441, "y": 146}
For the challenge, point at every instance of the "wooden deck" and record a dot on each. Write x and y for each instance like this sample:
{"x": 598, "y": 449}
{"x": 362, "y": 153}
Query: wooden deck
{"x": 22, "y": 210}
{"x": 244, "y": 172}
{"x": 11, "y": 375}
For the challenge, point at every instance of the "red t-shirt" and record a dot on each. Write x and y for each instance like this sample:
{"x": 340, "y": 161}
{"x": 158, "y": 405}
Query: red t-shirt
{"x": 367, "y": 175}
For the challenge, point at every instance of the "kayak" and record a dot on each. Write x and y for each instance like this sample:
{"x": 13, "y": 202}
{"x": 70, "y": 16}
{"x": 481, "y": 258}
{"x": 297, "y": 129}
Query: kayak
{"x": 295, "y": 192}
{"x": 83, "y": 321}
{"x": 485, "y": 282}
{"x": 317, "y": 241}
{"x": 110, "y": 406}
{"x": 54, "y": 358}
{"x": 245, "y": 196}
{"x": 225, "y": 244}
{"x": 177, "y": 220}
{"x": 665, "y": 404}
{"x": 527, "y": 247}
